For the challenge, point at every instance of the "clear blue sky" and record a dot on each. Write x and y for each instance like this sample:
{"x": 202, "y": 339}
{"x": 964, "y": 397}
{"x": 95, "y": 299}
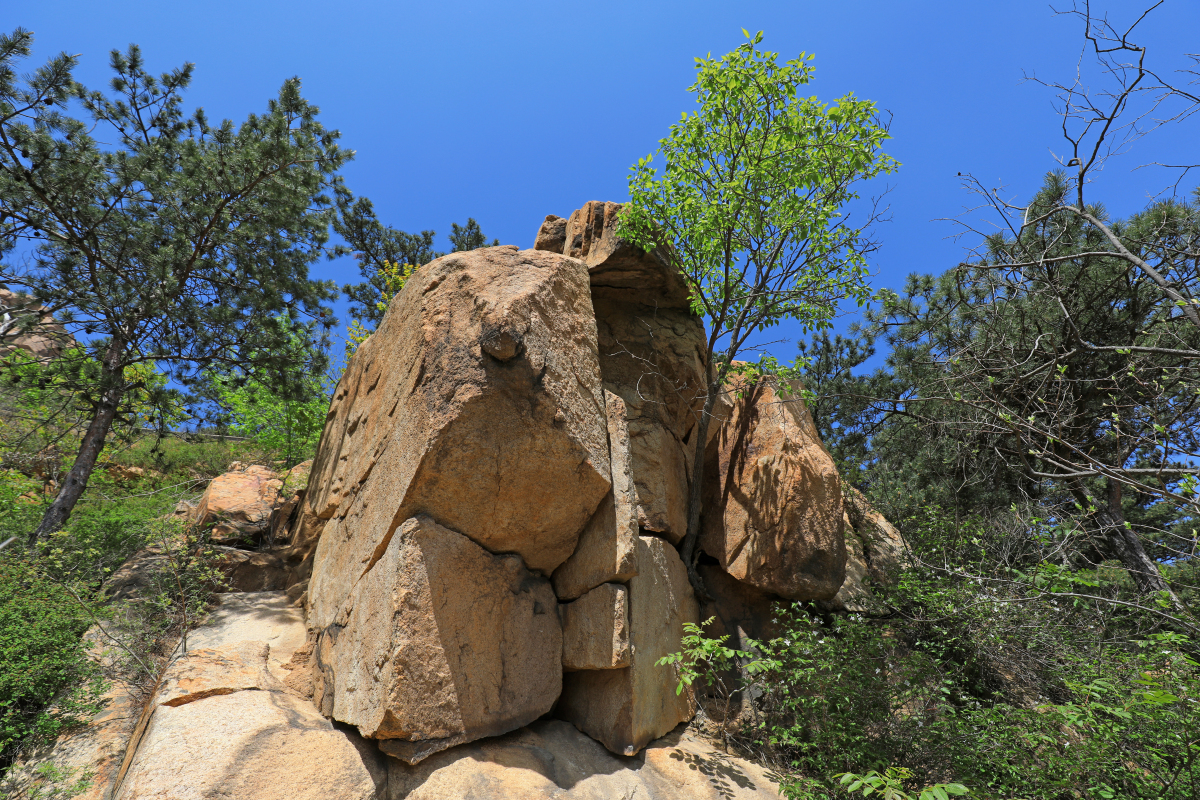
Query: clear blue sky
{"x": 509, "y": 111}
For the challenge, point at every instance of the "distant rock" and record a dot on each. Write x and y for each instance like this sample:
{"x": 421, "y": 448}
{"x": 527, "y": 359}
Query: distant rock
{"x": 26, "y": 324}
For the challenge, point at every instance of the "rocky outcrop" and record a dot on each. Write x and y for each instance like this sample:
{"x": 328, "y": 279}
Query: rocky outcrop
{"x": 651, "y": 355}
{"x": 441, "y": 642}
{"x": 605, "y": 552}
{"x": 238, "y": 504}
{"x": 550, "y": 759}
{"x": 627, "y": 708}
{"x": 773, "y": 496}
{"x": 476, "y": 402}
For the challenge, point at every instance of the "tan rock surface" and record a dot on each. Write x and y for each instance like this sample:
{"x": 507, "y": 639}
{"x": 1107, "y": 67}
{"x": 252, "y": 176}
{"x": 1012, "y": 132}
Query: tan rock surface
{"x": 773, "y": 499}
{"x": 255, "y": 617}
{"x": 626, "y": 708}
{"x": 441, "y": 642}
{"x": 210, "y": 671}
{"x": 263, "y": 745}
{"x": 477, "y": 402}
{"x": 222, "y": 725}
{"x": 550, "y": 759}
{"x": 596, "y": 629}
{"x": 606, "y": 547}
{"x": 239, "y": 503}
{"x": 654, "y": 360}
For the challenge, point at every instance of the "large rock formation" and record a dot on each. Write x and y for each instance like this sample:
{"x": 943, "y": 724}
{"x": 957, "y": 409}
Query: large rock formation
{"x": 476, "y": 402}
{"x": 773, "y": 496}
{"x": 474, "y": 412}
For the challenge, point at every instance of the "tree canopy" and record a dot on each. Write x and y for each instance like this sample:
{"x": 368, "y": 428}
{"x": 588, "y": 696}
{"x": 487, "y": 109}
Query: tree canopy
{"x": 180, "y": 245}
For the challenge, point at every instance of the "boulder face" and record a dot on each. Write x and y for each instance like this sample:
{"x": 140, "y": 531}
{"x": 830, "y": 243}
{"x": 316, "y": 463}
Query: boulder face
{"x": 606, "y": 547}
{"x": 478, "y": 403}
{"x": 239, "y": 503}
{"x": 626, "y": 708}
{"x": 440, "y": 643}
{"x": 773, "y": 497}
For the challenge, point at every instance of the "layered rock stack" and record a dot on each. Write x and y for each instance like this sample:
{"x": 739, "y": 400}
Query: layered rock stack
{"x": 490, "y": 530}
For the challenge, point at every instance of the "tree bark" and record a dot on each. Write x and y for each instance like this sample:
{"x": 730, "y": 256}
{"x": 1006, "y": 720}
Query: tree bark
{"x": 1127, "y": 547}
{"x": 112, "y": 390}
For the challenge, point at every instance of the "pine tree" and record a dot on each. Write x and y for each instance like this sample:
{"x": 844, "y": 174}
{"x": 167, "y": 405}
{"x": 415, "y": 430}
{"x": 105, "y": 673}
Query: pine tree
{"x": 182, "y": 244}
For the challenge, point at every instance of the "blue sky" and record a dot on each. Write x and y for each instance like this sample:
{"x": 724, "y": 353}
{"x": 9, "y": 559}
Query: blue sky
{"x": 510, "y": 111}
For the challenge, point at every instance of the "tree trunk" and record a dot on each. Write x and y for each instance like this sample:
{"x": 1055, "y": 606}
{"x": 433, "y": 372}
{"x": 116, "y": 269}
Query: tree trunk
{"x": 89, "y": 450}
{"x": 1126, "y": 546}
{"x": 688, "y": 546}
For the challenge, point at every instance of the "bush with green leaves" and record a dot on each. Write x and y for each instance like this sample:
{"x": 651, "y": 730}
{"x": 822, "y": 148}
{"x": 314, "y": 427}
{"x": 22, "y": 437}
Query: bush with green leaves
{"x": 42, "y": 657}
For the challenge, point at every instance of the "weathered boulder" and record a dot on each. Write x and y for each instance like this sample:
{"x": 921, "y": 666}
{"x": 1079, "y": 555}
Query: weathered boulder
{"x": 626, "y": 708}
{"x": 550, "y": 759}
{"x": 605, "y": 552}
{"x": 238, "y": 504}
{"x": 596, "y": 629}
{"x": 477, "y": 402}
{"x": 552, "y": 234}
{"x": 773, "y": 498}
{"x": 875, "y": 553}
{"x": 441, "y": 642}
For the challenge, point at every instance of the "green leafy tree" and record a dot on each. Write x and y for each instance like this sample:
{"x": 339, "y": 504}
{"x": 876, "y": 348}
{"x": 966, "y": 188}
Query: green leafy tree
{"x": 750, "y": 209}
{"x": 288, "y": 424}
{"x": 179, "y": 245}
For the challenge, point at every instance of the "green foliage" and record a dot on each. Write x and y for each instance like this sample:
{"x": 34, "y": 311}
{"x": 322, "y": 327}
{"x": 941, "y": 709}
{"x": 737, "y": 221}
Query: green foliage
{"x": 889, "y": 785}
{"x": 749, "y": 202}
{"x": 165, "y": 241}
{"x": 708, "y": 659}
{"x": 41, "y": 656}
{"x": 286, "y": 423}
